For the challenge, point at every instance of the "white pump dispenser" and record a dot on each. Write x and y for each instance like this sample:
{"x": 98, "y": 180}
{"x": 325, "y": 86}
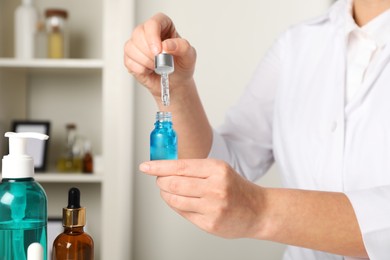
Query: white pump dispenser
{"x": 18, "y": 164}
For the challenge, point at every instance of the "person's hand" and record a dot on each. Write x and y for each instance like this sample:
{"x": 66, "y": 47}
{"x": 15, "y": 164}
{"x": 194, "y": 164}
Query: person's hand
{"x": 210, "y": 194}
{"x": 151, "y": 38}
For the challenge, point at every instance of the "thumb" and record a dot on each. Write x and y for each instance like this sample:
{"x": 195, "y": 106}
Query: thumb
{"x": 180, "y": 48}
{"x": 170, "y": 45}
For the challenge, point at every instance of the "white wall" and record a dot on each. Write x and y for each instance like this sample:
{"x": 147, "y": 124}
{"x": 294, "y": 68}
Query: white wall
{"x": 230, "y": 38}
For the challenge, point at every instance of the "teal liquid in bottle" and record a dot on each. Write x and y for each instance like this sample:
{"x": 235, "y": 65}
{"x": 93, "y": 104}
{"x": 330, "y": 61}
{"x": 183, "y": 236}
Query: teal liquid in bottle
{"x": 23, "y": 203}
{"x": 163, "y": 138}
{"x": 23, "y": 217}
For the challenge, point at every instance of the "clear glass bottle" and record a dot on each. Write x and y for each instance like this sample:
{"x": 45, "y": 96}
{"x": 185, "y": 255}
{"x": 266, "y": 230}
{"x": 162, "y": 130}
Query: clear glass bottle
{"x": 40, "y": 41}
{"x": 163, "y": 138}
{"x": 70, "y": 160}
{"x": 73, "y": 243}
{"x": 56, "y": 31}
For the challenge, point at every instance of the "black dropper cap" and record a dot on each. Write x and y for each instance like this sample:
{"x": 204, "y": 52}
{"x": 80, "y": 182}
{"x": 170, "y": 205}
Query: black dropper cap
{"x": 73, "y": 215}
{"x": 74, "y": 198}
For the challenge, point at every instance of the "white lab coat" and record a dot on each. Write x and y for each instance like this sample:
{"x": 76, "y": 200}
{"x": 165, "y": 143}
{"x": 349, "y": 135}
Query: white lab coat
{"x": 293, "y": 112}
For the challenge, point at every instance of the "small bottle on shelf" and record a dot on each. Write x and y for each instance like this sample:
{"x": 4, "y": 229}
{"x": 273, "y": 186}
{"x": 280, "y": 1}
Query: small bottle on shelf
{"x": 70, "y": 160}
{"x": 25, "y": 26}
{"x": 87, "y": 158}
{"x": 77, "y": 158}
{"x": 40, "y": 41}
{"x": 57, "y": 38}
{"x": 73, "y": 243}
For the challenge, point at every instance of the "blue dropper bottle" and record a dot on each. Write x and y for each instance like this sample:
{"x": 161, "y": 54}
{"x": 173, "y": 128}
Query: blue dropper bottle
{"x": 163, "y": 138}
{"x": 23, "y": 202}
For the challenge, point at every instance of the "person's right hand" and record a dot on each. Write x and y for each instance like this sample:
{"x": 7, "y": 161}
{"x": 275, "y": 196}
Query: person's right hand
{"x": 151, "y": 38}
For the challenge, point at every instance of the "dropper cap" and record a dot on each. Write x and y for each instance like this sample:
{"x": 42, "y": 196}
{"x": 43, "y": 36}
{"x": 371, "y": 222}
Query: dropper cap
{"x": 163, "y": 63}
{"x": 18, "y": 164}
{"x": 73, "y": 215}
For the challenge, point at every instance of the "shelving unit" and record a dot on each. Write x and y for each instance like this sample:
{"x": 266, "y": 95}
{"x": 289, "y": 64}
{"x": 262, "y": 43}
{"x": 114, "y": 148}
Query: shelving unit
{"x": 68, "y": 178}
{"x": 52, "y": 64}
{"x": 91, "y": 89}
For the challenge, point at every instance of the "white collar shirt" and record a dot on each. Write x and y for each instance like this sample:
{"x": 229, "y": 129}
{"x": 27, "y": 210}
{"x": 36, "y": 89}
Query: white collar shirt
{"x": 363, "y": 48}
{"x": 322, "y": 115}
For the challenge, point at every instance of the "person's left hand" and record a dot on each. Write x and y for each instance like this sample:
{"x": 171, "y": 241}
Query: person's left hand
{"x": 210, "y": 194}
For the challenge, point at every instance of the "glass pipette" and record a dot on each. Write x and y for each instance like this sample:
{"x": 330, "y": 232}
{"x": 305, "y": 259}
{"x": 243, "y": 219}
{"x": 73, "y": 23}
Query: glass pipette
{"x": 163, "y": 65}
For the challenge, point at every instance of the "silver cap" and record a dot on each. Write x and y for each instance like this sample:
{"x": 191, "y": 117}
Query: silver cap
{"x": 163, "y": 63}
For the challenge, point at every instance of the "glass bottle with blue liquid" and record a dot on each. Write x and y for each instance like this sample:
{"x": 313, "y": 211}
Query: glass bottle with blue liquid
{"x": 163, "y": 138}
{"x": 23, "y": 202}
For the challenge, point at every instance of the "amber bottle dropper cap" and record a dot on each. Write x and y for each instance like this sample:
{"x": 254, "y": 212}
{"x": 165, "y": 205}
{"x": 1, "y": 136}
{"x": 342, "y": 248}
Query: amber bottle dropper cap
{"x": 73, "y": 215}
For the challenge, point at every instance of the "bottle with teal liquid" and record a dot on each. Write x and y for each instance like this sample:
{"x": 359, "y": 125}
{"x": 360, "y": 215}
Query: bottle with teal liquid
{"x": 163, "y": 139}
{"x": 23, "y": 202}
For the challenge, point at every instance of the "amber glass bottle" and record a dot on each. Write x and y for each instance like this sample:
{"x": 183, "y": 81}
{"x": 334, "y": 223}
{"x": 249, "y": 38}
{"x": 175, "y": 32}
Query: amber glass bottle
{"x": 87, "y": 158}
{"x": 73, "y": 243}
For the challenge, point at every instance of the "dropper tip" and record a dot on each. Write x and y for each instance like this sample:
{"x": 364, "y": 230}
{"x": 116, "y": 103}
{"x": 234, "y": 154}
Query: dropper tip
{"x": 74, "y": 198}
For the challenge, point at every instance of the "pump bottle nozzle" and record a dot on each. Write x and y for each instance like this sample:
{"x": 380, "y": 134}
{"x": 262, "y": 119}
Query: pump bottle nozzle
{"x": 18, "y": 164}
{"x": 17, "y": 141}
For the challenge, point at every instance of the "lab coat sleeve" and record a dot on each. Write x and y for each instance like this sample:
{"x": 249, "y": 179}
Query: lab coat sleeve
{"x": 245, "y": 138}
{"x": 372, "y": 209}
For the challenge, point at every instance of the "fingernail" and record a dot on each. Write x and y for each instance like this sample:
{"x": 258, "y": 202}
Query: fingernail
{"x": 144, "y": 167}
{"x": 170, "y": 45}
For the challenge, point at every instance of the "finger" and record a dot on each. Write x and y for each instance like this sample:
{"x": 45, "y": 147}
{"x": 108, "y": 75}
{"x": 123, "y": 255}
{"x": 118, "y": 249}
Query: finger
{"x": 138, "y": 42}
{"x": 158, "y": 28}
{"x": 200, "y": 168}
{"x": 183, "y": 186}
{"x": 182, "y": 203}
{"x": 136, "y": 69}
{"x": 135, "y": 55}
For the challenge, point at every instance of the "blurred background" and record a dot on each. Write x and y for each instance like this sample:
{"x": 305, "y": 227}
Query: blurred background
{"x": 89, "y": 90}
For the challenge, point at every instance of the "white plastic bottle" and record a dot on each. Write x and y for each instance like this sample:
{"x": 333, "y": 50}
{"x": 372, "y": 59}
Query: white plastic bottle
{"x": 26, "y": 18}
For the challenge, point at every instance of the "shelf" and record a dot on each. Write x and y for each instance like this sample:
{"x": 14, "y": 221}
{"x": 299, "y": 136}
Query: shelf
{"x": 76, "y": 177}
{"x": 51, "y": 63}
{"x": 68, "y": 178}
{"x": 93, "y": 92}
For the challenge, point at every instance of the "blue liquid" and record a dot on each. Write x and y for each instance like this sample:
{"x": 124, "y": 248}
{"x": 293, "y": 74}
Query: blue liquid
{"x": 163, "y": 141}
{"x": 23, "y": 218}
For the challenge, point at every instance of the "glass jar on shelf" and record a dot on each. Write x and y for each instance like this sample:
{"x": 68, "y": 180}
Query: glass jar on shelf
{"x": 57, "y": 35}
{"x": 70, "y": 160}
